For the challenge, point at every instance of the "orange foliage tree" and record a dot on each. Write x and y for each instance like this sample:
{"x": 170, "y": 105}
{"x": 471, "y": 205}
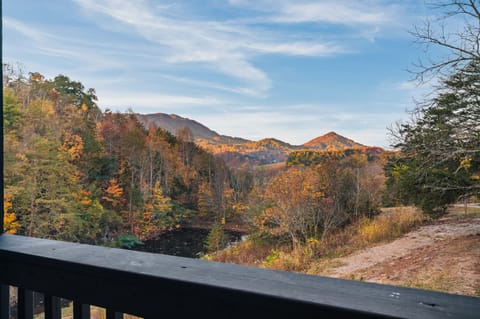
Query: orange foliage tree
{"x": 293, "y": 205}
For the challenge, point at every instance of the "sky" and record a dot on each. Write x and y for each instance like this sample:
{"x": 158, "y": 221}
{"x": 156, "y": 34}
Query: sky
{"x": 288, "y": 69}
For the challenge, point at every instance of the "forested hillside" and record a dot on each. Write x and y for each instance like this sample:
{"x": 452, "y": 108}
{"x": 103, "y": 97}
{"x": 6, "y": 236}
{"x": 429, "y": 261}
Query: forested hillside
{"x": 75, "y": 173}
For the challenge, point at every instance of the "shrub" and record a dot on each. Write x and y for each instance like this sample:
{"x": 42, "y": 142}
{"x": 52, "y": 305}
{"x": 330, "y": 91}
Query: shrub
{"x": 128, "y": 241}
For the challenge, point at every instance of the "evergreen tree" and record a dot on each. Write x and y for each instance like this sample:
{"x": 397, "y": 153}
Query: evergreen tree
{"x": 217, "y": 239}
{"x": 440, "y": 146}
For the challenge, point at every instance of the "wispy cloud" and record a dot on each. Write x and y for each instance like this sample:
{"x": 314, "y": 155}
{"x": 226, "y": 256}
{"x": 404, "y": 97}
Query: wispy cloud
{"x": 23, "y": 29}
{"x": 212, "y": 85}
{"x": 366, "y": 12}
{"x": 88, "y": 54}
{"x": 225, "y": 47}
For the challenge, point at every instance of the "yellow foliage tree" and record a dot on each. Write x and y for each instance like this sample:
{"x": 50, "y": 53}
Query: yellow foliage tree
{"x": 10, "y": 223}
{"x": 156, "y": 216}
{"x": 73, "y": 146}
{"x": 113, "y": 193}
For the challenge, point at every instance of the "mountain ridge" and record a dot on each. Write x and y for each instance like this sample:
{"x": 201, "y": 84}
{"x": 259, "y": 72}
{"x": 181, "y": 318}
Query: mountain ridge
{"x": 239, "y": 150}
{"x": 173, "y": 123}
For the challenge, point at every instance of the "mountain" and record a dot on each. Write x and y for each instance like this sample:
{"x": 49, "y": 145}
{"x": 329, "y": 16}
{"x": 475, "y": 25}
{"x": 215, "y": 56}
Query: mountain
{"x": 332, "y": 141}
{"x": 238, "y": 151}
{"x": 173, "y": 123}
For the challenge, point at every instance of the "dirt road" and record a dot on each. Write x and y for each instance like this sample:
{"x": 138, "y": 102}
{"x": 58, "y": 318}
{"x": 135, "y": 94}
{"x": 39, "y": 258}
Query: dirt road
{"x": 443, "y": 256}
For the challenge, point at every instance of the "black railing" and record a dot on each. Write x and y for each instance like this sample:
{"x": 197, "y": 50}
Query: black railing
{"x": 155, "y": 286}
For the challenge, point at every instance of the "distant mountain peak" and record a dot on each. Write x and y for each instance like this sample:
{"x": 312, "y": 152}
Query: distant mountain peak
{"x": 331, "y": 134}
{"x": 174, "y": 122}
{"x": 331, "y": 141}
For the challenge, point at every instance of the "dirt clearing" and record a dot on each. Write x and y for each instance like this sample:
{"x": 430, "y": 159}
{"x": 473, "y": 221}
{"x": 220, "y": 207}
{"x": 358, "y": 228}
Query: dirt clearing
{"x": 442, "y": 256}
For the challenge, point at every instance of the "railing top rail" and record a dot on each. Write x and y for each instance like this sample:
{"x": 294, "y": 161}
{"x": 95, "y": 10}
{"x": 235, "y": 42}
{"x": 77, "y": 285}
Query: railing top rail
{"x": 152, "y": 284}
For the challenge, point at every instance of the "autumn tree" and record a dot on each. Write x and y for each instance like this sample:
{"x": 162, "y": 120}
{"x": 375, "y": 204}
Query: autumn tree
{"x": 187, "y": 147}
{"x": 43, "y": 177}
{"x": 64, "y": 91}
{"x": 10, "y": 222}
{"x": 206, "y": 202}
{"x": 339, "y": 186}
{"x": 11, "y": 111}
{"x": 158, "y": 215}
{"x": 41, "y": 170}
{"x": 294, "y": 197}
{"x": 368, "y": 178}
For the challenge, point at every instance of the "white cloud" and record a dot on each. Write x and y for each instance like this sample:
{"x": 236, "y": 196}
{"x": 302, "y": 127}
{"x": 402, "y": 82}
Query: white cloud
{"x": 226, "y": 47}
{"x": 332, "y": 12}
{"x": 90, "y": 55}
{"x": 299, "y": 48}
{"x": 23, "y": 28}
{"x": 365, "y": 12}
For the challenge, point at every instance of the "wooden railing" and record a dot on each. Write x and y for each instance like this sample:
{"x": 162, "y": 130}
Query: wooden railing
{"x": 158, "y": 286}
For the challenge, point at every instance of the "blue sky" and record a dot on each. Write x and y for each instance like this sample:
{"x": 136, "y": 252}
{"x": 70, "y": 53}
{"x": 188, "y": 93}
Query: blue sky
{"x": 289, "y": 69}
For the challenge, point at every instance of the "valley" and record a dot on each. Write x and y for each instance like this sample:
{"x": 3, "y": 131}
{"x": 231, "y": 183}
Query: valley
{"x": 136, "y": 181}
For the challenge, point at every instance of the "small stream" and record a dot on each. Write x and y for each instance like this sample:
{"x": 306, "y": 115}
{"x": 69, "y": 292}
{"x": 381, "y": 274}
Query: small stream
{"x": 185, "y": 242}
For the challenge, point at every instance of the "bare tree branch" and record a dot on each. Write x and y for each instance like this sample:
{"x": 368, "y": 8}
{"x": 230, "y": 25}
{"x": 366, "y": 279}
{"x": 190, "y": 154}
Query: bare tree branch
{"x": 462, "y": 47}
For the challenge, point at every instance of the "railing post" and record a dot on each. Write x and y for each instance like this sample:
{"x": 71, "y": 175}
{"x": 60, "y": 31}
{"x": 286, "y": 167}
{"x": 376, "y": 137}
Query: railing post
{"x": 4, "y": 302}
{"x": 53, "y": 309}
{"x": 81, "y": 311}
{"x": 1, "y": 115}
{"x": 25, "y": 303}
{"x": 111, "y": 314}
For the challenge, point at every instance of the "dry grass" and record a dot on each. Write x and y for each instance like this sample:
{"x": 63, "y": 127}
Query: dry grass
{"x": 248, "y": 252}
{"x": 389, "y": 225}
{"x": 315, "y": 254}
{"x": 295, "y": 260}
